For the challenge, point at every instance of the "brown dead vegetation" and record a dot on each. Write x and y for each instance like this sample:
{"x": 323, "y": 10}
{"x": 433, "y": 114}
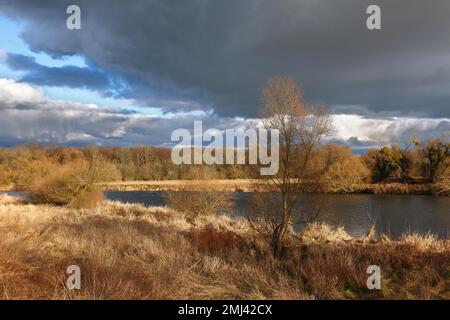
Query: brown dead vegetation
{"x": 134, "y": 252}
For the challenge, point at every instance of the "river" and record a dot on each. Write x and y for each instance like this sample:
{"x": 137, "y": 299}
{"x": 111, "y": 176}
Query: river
{"x": 392, "y": 214}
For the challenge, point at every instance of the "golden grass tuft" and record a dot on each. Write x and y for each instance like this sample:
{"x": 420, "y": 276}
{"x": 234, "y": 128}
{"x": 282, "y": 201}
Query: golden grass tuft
{"x": 424, "y": 243}
{"x": 7, "y": 199}
{"x": 324, "y": 233}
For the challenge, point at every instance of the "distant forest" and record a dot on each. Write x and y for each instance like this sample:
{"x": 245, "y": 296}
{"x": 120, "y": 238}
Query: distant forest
{"x": 424, "y": 161}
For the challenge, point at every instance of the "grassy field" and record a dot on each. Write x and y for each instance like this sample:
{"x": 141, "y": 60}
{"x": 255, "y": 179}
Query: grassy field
{"x": 244, "y": 185}
{"x": 134, "y": 252}
{"x": 249, "y": 185}
{"x": 230, "y": 185}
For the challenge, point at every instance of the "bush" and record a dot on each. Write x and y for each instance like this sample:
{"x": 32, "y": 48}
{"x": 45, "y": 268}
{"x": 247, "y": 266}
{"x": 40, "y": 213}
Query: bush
{"x": 442, "y": 184}
{"x": 5, "y": 176}
{"x": 195, "y": 204}
{"x": 434, "y": 157}
{"x": 72, "y": 184}
{"x": 211, "y": 240}
{"x": 343, "y": 176}
{"x": 383, "y": 163}
{"x": 88, "y": 199}
{"x": 24, "y": 172}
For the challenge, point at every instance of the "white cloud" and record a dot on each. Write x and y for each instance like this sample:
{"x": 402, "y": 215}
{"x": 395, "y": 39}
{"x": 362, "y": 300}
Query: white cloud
{"x": 13, "y": 93}
{"x": 26, "y": 113}
{"x": 387, "y": 130}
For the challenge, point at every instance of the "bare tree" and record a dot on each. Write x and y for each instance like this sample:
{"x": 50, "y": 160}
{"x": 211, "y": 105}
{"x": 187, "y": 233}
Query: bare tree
{"x": 301, "y": 128}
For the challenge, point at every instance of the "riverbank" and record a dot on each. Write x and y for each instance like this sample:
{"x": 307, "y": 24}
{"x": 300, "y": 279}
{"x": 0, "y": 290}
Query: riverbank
{"x": 248, "y": 185}
{"x": 134, "y": 252}
{"x": 7, "y": 188}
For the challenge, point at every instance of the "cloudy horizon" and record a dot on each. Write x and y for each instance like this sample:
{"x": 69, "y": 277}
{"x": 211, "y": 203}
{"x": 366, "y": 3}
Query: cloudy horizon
{"x": 137, "y": 71}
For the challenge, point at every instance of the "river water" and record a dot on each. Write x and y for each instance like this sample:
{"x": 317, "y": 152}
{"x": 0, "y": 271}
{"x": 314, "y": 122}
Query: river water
{"x": 392, "y": 214}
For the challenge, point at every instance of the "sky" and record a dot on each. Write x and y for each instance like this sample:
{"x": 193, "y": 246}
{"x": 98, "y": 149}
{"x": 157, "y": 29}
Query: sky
{"x": 137, "y": 70}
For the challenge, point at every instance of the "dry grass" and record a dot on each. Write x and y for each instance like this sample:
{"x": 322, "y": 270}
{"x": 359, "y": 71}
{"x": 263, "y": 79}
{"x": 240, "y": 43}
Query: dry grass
{"x": 323, "y": 233}
{"x": 6, "y": 188}
{"x": 254, "y": 185}
{"x": 424, "y": 243}
{"x": 7, "y": 199}
{"x": 222, "y": 185}
{"x": 395, "y": 188}
{"x": 133, "y": 252}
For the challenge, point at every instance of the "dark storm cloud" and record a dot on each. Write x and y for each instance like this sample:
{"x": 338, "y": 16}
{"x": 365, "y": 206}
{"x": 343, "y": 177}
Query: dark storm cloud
{"x": 218, "y": 54}
{"x": 69, "y": 76}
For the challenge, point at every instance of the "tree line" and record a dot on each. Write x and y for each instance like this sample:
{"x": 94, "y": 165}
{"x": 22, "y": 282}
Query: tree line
{"x": 417, "y": 162}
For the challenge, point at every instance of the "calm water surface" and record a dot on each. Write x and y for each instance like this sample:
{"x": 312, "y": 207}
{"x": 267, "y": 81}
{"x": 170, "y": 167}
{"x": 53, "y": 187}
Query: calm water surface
{"x": 393, "y": 214}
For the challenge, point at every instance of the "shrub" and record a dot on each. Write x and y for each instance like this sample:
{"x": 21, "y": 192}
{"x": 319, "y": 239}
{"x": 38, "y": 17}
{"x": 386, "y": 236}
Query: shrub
{"x": 383, "y": 163}
{"x": 214, "y": 241}
{"x": 434, "y": 157}
{"x": 88, "y": 199}
{"x": 442, "y": 184}
{"x": 344, "y": 175}
{"x": 24, "y": 172}
{"x": 72, "y": 184}
{"x": 195, "y": 204}
{"x": 5, "y": 176}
